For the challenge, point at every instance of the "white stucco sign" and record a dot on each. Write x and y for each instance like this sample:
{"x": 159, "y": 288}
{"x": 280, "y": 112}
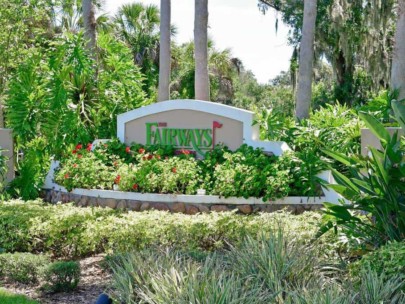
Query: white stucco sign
{"x": 194, "y": 125}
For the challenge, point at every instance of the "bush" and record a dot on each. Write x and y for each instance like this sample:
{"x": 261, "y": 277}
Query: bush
{"x": 68, "y": 231}
{"x": 388, "y": 260}
{"x": 8, "y": 298}
{"x": 22, "y": 267}
{"x": 62, "y": 276}
{"x": 245, "y": 173}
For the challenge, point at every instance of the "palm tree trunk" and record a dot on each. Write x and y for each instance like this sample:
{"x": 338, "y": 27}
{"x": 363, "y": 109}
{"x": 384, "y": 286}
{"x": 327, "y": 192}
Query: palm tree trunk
{"x": 398, "y": 56}
{"x": 202, "y": 82}
{"x": 89, "y": 22}
{"x": 304, "y": 90}
{"x": 164, "y": 52}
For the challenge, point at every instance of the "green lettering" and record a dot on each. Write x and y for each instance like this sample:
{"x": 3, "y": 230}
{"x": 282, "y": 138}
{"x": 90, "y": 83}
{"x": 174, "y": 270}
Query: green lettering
{"x": 207, "y": 138}
{"x": 182, "y": 135}
{"x": 173, "y": 135}
{"x": 158, "y": 138}
{"x": 149, "y": 132}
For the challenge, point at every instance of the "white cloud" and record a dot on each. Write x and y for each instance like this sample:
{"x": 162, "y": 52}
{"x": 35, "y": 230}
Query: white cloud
{"x": 234, "y": 24}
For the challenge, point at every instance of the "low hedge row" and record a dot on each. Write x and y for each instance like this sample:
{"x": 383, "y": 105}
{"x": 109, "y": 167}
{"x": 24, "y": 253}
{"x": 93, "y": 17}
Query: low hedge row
{"x": 69, "y": 231}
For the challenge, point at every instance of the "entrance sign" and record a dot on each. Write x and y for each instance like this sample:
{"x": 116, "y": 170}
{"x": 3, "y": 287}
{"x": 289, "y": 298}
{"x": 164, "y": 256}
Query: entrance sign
{"x": 192, "y": 125}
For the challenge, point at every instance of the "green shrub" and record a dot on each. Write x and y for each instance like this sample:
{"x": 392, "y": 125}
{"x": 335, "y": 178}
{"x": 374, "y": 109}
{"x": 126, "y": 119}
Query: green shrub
{"x": 245, "y": 172}
{"x": 22, "y": 267}
{"x": 375, "y": 186}
{"x": 61, "y": 276}
{"x": 388, "y": 259}
{"x": 8, "y": 298}
{"x": 68, "y": 231}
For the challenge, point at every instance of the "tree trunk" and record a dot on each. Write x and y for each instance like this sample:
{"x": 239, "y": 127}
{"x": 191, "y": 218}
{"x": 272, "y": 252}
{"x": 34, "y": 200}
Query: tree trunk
{"x": 164, "y": 53}
{"x": 398, "y": 56}
{"x": 304, "y": 90}
{"x": 202, "y": 82}
{"x": 89, "y": 22}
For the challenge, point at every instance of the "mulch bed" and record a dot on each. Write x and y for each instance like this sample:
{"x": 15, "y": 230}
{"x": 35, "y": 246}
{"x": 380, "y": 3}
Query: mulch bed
{"x": 94, "y": 280}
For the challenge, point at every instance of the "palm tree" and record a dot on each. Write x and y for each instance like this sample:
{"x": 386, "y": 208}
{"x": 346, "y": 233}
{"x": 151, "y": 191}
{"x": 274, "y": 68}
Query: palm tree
{"x": 89, "y": 22}
{"x": 304, "y": 90}
{"x": 202, "y": 82}
{"x": 138, "y": 26}
{"x": 164, "y": 51}
{"x": 398, "y": 56}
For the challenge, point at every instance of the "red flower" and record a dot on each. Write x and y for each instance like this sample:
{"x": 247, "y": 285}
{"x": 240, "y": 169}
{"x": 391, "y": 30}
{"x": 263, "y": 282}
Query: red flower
{"x": 66, "y": 175}
{"x": 79, "y": 146}
{"x": 185, "y": 152}
{"x": 157, "y": 156}
{"x": 117, "y": 179}
{"x": 89, "y": 146}
{"x": 174, "y": 170}
{"x": 127, "y": 149}
{"x": 135, "y": 186}
{"x": 79, "y": 156}
{"x": 150, "y": 156}
{"x": 141, "y": 151}
{"x": 74, "y": 165}
{"x": 74, "y": 151}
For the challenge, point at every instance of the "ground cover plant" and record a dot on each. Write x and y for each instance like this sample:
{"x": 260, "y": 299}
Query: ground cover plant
{"x": 8, "y": 298}
{"x": 276, "y": 268}
{"x": 159, "y": 257}
{"x": 245, "y": 172}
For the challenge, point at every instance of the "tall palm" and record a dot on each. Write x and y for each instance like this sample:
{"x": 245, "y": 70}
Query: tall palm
{"x": 138, "y": 26}
{"x": 165, "y": 53}
{"x": 398, "y": 56}
{"x": 222, "y": 71}
{"x": 304, "y": 90}
{"x": 89, "y": 22}
{"x": 202, "y": 82}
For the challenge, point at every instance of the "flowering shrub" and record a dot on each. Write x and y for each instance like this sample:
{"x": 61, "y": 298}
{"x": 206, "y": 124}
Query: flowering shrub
{"x": 83, "y": 169}
{"x": 245, "y": 173}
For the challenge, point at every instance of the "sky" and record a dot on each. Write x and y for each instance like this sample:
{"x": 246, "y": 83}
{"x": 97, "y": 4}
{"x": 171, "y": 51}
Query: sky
{"x": 234, "y": 24}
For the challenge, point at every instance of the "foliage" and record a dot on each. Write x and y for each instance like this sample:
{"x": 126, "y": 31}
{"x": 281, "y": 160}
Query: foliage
{"x": 3, "y": 169}
{"x": 31, "y": 170}
{"x": 376, "y": 187}
{"x": 22, "y": 267}
{"x": 138, "y": 26}
{"x": 353, "y": 36}
{"x": 334, "y": 127}
{"x": 388, "y": 260}
{"x": 272, "y": 269}
{"x": 8, "y": 298}
{"x": 68, "y": 231}
{"x": 85, "y": 170}
{"x": 61, "y": 276}
{"x": 381, "y": 106}
{"x": 247, "y": 172}
{"x": 58, "y": 93}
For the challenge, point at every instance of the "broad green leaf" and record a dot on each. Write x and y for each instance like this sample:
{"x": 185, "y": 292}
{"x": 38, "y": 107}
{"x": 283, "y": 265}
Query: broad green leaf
{"x": 399, "y": 112}
{"x": 375, "y": 126}
{"x": 381, "y": 170}
{"x": 339, "y": 157}
{"x": 343, "y": 180}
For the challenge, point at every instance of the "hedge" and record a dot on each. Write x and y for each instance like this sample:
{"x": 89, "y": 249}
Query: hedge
{"x": 63, "y": 230}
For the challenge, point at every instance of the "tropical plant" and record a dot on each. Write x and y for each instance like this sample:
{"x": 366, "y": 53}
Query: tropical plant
{"x": 375, "y": 188}
{"x": 138, "y": 26}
